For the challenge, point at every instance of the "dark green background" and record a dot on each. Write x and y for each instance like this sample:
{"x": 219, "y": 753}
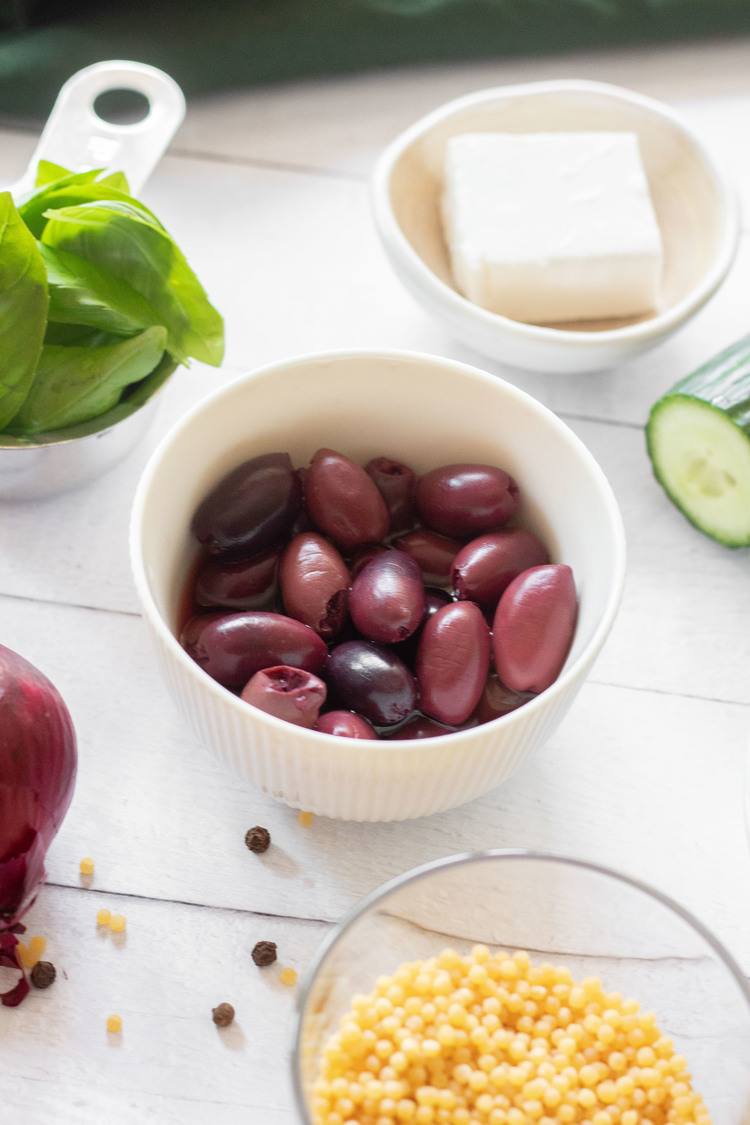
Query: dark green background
{"x": 214, "y": 45}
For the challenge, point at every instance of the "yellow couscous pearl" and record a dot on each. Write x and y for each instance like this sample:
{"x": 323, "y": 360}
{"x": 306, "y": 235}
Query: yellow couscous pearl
{"x": 305, "y": 819}
{"x": 32, "y": 951}
{"x": 103, "y": 917}
{"x": 288, "y": 976}
{"x": 114, "y": 1024}
{"x": 86, "y": 866}
{"x": 118, "y": 923}
{"x": 491, "y": 1039}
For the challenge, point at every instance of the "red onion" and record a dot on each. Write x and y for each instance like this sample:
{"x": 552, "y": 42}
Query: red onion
{"x": 37, "y": 773}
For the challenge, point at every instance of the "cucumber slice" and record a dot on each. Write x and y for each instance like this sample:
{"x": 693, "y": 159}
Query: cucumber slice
{"x": 698, "y": 439}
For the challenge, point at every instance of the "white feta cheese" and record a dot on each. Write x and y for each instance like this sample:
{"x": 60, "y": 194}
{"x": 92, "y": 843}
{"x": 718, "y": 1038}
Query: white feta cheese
{"x": 547, "y": 227}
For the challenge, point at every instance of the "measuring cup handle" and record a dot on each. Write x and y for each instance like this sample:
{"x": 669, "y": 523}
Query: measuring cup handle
{"x": 78, "y": 138}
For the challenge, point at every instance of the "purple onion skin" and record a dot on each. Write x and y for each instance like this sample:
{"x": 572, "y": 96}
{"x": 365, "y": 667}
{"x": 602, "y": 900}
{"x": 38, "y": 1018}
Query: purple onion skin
{"x": 38, "y": 761}
{"x": 372, "y": 681}
{"x": 453, "y": 661}
{"x": 238, "y": 583}
{"x": 397, "y": 484}
{"x": 486, "y": 566}
{"x": 287, "y": 693}
{"x": 344, "y": 502}
{"x": 251, "y": 509}
{"x": 387, "y": 599}
{"x": 466, "y": 500}
{"x": 314, "y": 583}
{"x": 534, "y": 625}
{"x": 432, "y": 553}
{"x": 232, "y": 647}
{"x": 498, "y": 700}
{"x": 345, "y": 724}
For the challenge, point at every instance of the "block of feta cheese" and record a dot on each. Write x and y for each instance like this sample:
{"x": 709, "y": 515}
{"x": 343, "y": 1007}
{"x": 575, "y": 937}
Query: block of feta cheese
{"x": 549, "y": 227}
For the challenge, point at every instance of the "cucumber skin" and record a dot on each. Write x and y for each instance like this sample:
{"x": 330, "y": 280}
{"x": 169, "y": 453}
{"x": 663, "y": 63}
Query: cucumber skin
{"x": 722, "y": 383}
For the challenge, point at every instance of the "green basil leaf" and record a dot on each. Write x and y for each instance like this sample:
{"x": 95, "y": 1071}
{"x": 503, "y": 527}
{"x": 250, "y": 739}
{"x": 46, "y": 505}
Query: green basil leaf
{"x": 78, "y": 334}
{"x": 23, "y": 309}
{"x": 47, "y": 172}
{"x": 72, "y": 190}
{"x": 75, "y": 384}
{"x": 117, "y": 180}
{"x": 81, "y": 293}
{"x": 124, "y": 242}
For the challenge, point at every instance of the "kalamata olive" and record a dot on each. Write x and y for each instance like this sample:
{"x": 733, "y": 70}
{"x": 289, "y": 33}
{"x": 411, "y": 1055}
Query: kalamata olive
{"x": 485, "y": 566}
{"x": 432, "y": 553}
{"x": 533, "y": 627}
{"x": 345, "y": 724}
{"x": 238, "y": 583}
{"x": 343, "y": 501}
{"x": 387, "y": 599}
{"x": 314, "y": 583}
{"x": 434, "y": 600}
{"x": 288, "y": 693}
{"x": 497, "y": 700}
{"x": 372, "y": 681}
{"x": 465, "y": 500}
{"x": 396, "y": 483}
{"x": 363, "y": 555}
{"x": 421, "y": 727}
{"x": 453, "y": 660}
{"x": 232, "y": 647}
{"x": 251, "y": 508}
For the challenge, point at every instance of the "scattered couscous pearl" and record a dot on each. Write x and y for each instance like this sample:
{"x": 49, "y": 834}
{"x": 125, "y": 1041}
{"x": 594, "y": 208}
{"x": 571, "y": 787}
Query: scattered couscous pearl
{"x": 288, "y": 976}
{"x": 86, "y": 866}
{"x": 114, "y": 1024}
{"x": 117, "y": 923}
{"x": 32, "y": 951}
{"x": 305, "y": 819}
{"x": 103, "y": 917}
{"x": 492, "y": 1039}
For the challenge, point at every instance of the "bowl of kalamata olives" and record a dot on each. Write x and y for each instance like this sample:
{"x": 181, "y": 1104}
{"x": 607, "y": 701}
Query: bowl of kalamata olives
{"x": 376, "y": 580}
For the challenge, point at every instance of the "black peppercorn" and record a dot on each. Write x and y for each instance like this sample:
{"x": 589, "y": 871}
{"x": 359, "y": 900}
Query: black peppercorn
{"x": 264, "y": 953}
{"x": 258, "y": 839}
{"x": 43, "y": 974}
{"x": 222, "y": 1015}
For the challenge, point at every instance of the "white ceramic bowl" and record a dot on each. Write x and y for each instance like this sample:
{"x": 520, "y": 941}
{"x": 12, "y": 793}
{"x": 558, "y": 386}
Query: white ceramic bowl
{"x": 698, "y": 215}
{"x": 426, "y": 411}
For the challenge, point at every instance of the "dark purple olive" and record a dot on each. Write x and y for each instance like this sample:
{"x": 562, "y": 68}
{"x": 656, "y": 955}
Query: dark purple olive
{"x": 288, "y": 693}
{"x": 251, "y": 508}
{"x": 498, "y": 700}
{"x": 387, "y": 599}
{"x": 344, "y": 502}
{"x": 363, "y": 556}
{"x": 345, "y": 724}
{"x": 452, "y": 662}
{"x": 314, "y": 583}
{"x": 434, "y": 600}
{"x": 232, "y": 647}
{"x": 432, "y": 553}
{"x": 533, "y": 629}
{"x": 487, "y": 565}
{"x": 465, "y": 500}
{"x": 238, "y": 583}
{"x": 421, "y": 727}
{"x": 372, "y": 681}
{"x": 396, "y": 483}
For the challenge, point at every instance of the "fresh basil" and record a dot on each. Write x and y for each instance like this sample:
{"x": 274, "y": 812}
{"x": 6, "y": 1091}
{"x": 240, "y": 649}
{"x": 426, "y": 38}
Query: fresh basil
{"x": 73, "y": 384}
{"x": 81, "y": 293}
{"x": 23, "y": 309}
{"x": 121, "y": 240}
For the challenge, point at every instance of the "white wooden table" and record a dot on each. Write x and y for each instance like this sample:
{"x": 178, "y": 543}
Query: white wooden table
{"x": 267, "y": 191}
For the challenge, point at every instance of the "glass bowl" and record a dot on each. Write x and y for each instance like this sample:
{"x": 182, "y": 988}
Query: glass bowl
{"x": 572, "y": 913}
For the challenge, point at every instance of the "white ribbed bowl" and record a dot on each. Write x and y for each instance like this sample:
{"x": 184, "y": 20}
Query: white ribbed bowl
{"x": 426, "y": 411}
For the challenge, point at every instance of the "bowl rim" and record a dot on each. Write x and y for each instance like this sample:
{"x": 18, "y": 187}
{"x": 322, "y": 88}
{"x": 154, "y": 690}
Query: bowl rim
{"x": 456, "y": 306}
{"x": 460, "y": 859}
{"x": 568, "y": 677}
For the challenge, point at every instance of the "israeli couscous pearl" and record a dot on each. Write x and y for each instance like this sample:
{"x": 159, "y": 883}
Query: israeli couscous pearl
{"x": 490, "y": 1039}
